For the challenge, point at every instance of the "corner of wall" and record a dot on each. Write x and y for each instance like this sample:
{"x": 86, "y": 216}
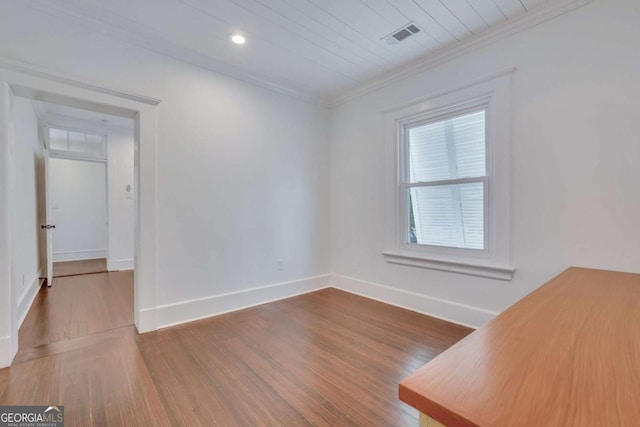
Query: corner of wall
{"x": 146, "y": 320}
{"x": 120, "y": 264}
{"x": 5, "y": 352}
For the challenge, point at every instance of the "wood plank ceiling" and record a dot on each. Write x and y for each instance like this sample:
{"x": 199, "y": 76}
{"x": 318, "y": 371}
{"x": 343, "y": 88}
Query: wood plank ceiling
{"x": 317, "y": 47}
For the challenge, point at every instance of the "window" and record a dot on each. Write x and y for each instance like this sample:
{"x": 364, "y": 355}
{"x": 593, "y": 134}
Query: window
{"x": 445, "y": 181}
{"x": 449, "y": 181}
{"x": 77, "y": 144}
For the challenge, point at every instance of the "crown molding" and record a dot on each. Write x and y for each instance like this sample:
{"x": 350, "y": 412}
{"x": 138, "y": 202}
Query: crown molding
{"x": 150, "y": 39}
{"x": 42, "y": 72}
{"x": 531, "y": 19}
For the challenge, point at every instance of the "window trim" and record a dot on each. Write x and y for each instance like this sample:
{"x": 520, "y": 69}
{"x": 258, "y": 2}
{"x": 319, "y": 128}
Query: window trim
{"x": 493, "y": 94}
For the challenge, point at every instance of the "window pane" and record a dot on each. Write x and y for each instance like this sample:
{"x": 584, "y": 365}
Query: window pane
{"x": 94, "y": 145}
{"x": 447, "y": 215}
{"x": 76, "y": 142}
{"x": 449, "y": 149}
{"x": 58, "y": 139}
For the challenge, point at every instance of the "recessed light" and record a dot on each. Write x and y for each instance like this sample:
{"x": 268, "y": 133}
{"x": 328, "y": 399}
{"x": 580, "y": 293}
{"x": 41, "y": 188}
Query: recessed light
{"x": 237, "y": 38}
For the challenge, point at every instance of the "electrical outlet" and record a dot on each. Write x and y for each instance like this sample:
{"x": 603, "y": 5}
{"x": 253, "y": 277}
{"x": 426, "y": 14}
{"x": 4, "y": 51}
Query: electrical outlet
{"x": 280, "y": 265}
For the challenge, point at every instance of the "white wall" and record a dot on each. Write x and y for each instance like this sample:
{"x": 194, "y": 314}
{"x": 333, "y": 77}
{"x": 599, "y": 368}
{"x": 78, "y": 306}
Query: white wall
{"x": 121, "y": 204}
{"x": 575, "y": 156}
{"x": 25, "y": 268}
{"x": 8, "y": 304}
{"x": 78, "y": 193}
{"x": 242, "y": 171}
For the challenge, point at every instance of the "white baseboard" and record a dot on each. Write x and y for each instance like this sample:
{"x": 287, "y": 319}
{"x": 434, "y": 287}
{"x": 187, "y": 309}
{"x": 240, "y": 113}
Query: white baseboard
{"x": 27, "y": 297}
{"x": 146, "y": 320}
{"x": 5, "y": 352}
{"x": 119, "y": 264}
{"x": 188, "y": 311}
{"x": 461, "y": 314}
{"x": 79, "y": 255}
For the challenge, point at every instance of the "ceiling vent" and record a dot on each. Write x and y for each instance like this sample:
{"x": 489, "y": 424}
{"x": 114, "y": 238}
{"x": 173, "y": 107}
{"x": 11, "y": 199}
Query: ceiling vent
{"x": 401, "y": 34}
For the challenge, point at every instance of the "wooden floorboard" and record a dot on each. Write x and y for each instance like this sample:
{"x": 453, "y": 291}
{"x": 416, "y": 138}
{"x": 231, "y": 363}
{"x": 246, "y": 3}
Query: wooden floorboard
{"x": 77, "y": 306}
{"x": 327, "y": 358}
{"x": 106, "y": 384}
{"x": 63, "y": 346}
{"x": 76, "y": 268}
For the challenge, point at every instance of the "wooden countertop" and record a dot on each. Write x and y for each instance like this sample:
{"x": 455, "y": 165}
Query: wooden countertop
{"x": 566, "y": 355}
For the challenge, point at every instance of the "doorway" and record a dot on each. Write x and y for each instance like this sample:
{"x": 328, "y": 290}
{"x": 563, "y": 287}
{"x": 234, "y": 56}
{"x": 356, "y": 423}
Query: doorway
{"x": 92, "y": 191}
{"x": 40, "y": 85}
{"x": 84, "y": 163}
{"x": 78, "y": 198}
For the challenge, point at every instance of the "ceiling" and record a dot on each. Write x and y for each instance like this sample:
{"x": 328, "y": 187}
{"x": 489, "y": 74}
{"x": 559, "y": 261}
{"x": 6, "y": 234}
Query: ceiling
{"x": 315, "y": 48}
{"x": 56, "y": 113}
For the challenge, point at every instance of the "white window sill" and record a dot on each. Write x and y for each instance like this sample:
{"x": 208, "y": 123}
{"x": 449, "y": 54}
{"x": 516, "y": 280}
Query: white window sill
{"x": 472, "y": 269}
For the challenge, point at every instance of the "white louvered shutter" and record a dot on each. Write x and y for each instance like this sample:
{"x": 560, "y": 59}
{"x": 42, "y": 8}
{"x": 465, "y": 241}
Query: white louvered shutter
{"x": 446, "y": 182}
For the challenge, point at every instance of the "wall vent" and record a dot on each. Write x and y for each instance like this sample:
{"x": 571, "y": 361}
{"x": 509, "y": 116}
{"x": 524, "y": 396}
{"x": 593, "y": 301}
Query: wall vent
{"x": 401, "y": 34}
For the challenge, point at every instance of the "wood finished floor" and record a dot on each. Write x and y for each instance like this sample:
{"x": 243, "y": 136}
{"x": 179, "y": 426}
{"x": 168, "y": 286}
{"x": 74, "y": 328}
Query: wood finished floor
{"x": 77, "y": 306}
{"x": 75, "y": 268}
{"x": 327, "y": 358}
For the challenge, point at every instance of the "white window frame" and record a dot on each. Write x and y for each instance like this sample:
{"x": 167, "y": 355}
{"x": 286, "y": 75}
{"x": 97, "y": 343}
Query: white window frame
{"x": 492, "y": 94}
{"x": 405, "y": 185}
{"x": 72, "y": 154}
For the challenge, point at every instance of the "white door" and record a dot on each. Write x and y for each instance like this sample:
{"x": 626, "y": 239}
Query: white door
{"x": 46, "y": 226}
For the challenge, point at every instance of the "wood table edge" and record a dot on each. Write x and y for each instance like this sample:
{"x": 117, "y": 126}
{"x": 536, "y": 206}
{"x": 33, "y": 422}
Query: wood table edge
{"x": 433, "y": 409}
